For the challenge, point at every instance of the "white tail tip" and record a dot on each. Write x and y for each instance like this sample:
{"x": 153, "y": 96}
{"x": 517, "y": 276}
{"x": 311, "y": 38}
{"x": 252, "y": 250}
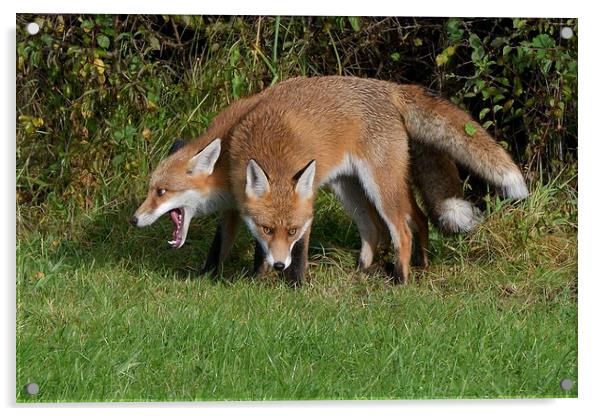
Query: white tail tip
{"x": 458, "y": 216}
{"x": 514, "y": 186}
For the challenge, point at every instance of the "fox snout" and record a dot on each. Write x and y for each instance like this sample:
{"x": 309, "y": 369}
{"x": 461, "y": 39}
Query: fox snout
{"x": 279, "y": 256}
{"x": 143, "y": 217}
{"x": 137, "y": 219}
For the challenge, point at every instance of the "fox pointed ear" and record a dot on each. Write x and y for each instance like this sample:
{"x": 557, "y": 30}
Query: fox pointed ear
{"x": 305, "y": 183}
{"x": 204, "y": 161}
{"x": 257, "y": 181}
{"x": 177, "y": 145}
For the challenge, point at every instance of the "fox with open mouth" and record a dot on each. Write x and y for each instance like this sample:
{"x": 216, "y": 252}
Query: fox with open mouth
{"x": 195, "y": 178}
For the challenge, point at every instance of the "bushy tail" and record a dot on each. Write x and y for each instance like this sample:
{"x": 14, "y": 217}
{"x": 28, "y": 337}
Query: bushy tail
{"x": 437, "y": 179}
{"x": 436, "y": 122}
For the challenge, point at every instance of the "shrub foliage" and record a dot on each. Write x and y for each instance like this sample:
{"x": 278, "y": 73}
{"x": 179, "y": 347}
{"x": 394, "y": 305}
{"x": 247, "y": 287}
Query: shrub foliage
{"x": 100, "y": 97}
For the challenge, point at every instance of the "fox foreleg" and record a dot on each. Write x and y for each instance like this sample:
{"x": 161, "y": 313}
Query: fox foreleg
{"x": 223, "y": 240}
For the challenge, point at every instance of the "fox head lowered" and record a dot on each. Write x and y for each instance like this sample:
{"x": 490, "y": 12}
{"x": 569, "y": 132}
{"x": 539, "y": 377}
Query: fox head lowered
{"x": 186, "y": 183}
{"x": 278, "y": 211}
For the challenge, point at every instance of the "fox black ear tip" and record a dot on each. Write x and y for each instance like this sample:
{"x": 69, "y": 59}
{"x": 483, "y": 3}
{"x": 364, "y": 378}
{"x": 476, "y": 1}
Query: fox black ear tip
{"x": 176, "y": 145}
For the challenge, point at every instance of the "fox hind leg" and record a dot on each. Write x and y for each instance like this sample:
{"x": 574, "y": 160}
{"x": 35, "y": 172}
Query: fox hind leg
{"x": 394, "y": 208}
{"x": 370, "y": 226}
{"x": 401, "y": 235}
{"x": 418, "y": 222}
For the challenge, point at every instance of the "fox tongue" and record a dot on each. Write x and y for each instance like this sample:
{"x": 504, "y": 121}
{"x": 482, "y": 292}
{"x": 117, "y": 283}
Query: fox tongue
{"x": 177, "y": 217}
{"x": 174, "y": 216}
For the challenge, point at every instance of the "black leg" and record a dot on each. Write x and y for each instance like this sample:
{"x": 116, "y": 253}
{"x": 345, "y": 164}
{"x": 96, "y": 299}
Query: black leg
{"x": 225, "y": 235}
{"x": 295, "y": 273}
{"x": 417, "y": 259}
{"x": 258, "y": 259}
{"x": 213, "y": 257}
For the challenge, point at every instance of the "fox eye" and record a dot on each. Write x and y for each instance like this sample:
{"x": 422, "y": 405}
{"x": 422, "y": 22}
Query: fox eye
{"x": 268, "y": 230}
{"x": 161, "y": 192}
{"x": 292, "y": 231}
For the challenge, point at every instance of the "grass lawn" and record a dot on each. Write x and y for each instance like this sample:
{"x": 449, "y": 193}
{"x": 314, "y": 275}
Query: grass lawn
{"x": 113, "y": 314}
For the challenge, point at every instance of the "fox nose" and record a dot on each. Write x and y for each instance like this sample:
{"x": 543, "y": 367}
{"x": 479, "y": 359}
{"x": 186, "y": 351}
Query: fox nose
{"x": 134, "y": 220}
{"x": 279, "y": 266}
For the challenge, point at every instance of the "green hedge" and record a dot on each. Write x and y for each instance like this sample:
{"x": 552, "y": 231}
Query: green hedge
{"x": 100, "y": 97}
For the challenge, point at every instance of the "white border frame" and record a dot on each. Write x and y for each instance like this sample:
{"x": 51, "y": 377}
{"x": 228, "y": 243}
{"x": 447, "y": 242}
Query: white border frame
{"x": 589, "y": 186}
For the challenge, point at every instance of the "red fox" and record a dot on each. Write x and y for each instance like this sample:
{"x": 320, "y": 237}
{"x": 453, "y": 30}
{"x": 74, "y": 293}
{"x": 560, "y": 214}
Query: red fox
{"x": 316, "y": 131}
{"x": 194, "y": 180}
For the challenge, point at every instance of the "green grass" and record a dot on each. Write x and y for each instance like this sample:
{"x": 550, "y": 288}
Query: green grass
{"x": 113, "y": 314}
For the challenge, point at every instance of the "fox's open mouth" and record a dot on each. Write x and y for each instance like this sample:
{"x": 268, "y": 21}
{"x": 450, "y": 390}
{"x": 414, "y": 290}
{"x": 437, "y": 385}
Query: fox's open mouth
{"x": 177, "y": 217}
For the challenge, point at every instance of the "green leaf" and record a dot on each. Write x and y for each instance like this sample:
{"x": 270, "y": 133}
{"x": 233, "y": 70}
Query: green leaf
{"x": 518, "y": 87}
{"x": 355, "y": 22}
{"x": 487, "y": 124}
{"x": 154, "y": 43}
{"x": 546, "y": 66}
{"x": 498, "y": 97}
{"x": 108, "y": 31}
{"x": 47, "y": 39}
{"x": 237, "y": 84}
{"x": 441, "y": 59}
{"x": 444, "y": 56}
{"x": 543, "y": 41}
{"x": 508, "y": 105}
{"x": 477, "y": 54}
{"x": 483, "y": 113}
{"x": 518, "y": 23}
{"x": 103, "y": 41}
{"x": 87, "y": 25}
{"x": 497, "y": 42}
{"x": 474, "y": 41}
{"x": 504, "y": 81}
{"x": 234, "y": 56}
{"x": 395, "y": 56}
{"x": 470, "y": 129}
{"x": 452, "y": 27}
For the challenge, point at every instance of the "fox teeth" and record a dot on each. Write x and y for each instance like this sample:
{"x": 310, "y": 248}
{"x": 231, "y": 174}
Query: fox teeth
{"x": 171, "y": 242}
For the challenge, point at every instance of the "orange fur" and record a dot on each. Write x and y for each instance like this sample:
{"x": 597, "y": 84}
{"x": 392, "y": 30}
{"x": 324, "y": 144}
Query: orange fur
{"x": 352, "y": 127}
{"x": 347, "y": 123}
